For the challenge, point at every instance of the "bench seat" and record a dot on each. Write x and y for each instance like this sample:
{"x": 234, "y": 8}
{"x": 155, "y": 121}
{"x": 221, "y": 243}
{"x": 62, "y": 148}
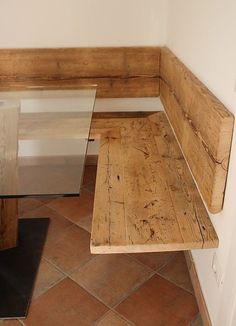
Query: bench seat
{"x": 145, "y": 197}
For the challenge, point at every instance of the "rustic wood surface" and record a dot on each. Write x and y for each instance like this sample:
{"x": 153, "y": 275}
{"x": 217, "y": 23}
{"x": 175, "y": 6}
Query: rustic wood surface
{"x": 59, "y": 125}
{"x": 202, "y": 125}
{"x": 9, "y": 117}
{"x": 8, "y": 223}
{"x": 145, "y": 197}
{"x": 118, "y": 72}
{"x": 8, "y": 177}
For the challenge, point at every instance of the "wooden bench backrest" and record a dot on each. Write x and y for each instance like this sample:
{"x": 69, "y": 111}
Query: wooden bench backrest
{"x": 202, "y": 125}
{"x": 118, "y": 72}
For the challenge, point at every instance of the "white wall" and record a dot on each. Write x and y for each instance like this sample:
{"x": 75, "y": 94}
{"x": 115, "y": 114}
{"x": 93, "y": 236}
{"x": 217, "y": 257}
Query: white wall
{"x": 73, "y": 23}
{"x": 202, "y": 33}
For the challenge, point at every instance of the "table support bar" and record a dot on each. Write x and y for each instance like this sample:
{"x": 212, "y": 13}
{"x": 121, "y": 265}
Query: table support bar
{"x": 8, "y": 223}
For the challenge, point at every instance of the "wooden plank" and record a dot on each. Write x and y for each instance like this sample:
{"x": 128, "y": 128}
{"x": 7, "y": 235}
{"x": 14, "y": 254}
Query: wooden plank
{"x": 190, "y": 211}
{"x": 145, "y": 199}
{"x": 9, "y": 113}
{"x": 118, "y": 72}
{"x": 79, "y": 62}
{"x": 147, "y": 202}
{"x": 203, "y": 127}
{"x": 8, "y": 223}
{"x": 110, "y": 178}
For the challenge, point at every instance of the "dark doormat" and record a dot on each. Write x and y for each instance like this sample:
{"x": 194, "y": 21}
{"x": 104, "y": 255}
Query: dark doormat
{"x": 19, "y": 266}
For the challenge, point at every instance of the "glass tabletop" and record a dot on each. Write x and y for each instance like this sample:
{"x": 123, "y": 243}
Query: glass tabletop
{"x": 43, "y": 141}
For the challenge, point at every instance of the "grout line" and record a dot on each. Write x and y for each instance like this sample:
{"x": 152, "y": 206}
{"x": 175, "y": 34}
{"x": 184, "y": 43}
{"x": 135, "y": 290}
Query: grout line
{"x": 80, "y": 226}
{"x": 62, "y": 234}
{"x": 123, "y": 317}
{"x": 49, "y": 287}
{"x": 158, "y": 270}
{"x": 148, "y": 276}
{"x": 171, "y": 281}
{"x": 70, "y": 272}
{"x": 20, "y": 321}
{"x": 138, "y": 261}
{"x": 116, "y": 313}
{"x": 167, "y": 262}
{"x": 69, "y": 219}
{"x": 69, "y": 276}
{"x": 137, "y": 287}
{"x": 91, "y": 293}
{"x": 21, "y": 215}
{"x": 152, "y": 269}
{"x": 82, "y": 286}
{"x": 101, "y": 317}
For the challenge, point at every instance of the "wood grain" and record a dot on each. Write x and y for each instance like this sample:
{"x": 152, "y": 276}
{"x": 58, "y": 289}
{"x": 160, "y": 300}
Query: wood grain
{"x": 59, "y": 125}
{"x": 202, "y": 125}
{"x": 118, "y": 72}
{"x": 9, "y": 116}
{"x": 145, "y": 198}
{"x": 8, "y": 223}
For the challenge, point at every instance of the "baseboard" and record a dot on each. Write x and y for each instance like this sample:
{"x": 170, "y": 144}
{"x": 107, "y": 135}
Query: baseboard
{"x": 197, "y": 289}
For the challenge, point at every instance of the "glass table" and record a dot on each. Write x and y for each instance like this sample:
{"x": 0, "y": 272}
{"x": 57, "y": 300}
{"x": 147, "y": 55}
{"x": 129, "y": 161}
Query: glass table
{"x": 43, "y": 143}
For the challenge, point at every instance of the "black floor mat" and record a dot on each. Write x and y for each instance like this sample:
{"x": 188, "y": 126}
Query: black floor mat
{"x": 19, "y": 266}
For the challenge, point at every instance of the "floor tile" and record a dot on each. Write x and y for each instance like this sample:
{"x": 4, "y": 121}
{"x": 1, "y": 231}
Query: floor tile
{"x": 90, "y": 187}
{"x": 112, "y": 319}
{"x": 154, "y": 260}
{"x": 74, "y": 208}
{"x": 65, "y": 304}
{"x": 47, "y": 276}
{"x": 12, "y": 322}
{"x": 159, "y": 303}
{"x": 27, "y": 204}
{"x": 71, "y": 250}
{"x": 197, "y": 321}
{"x": 111, "y": 277}
{"x": 90, "y": 172}
{"x": 58, "y": 223}
{"x": 46, "y": 200}
{"x": 85, "y": 222}
{"x": 177, "y": 271}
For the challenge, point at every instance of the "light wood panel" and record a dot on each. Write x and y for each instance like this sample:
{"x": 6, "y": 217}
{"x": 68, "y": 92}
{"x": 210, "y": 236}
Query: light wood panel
{"x": 203, "y": 127}
{"x": 145, "y": 198}
{"x": 62, "y": 125}
{"x": 118, "y": 72}
{"x": 8, "y": 177}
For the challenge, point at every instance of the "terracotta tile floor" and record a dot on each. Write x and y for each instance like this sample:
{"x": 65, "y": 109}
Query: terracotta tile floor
{"x": 75, "y": 288}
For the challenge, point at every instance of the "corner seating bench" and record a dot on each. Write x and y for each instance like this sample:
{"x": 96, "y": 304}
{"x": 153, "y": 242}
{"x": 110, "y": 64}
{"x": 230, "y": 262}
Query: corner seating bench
{"x": 146, "y": 198}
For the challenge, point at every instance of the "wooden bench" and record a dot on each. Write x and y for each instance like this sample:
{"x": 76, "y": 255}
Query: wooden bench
{"x": 145, "y": 198}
